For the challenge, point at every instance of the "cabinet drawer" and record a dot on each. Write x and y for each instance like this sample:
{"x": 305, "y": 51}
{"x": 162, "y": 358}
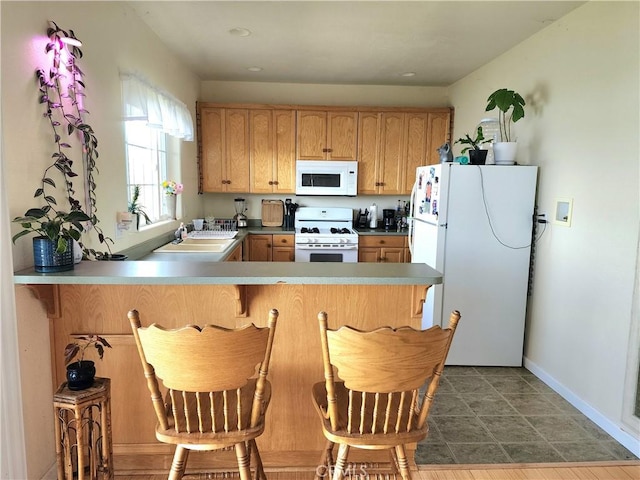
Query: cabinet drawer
{"x": 381, "y": 241}
{"x": 283, "y": 240}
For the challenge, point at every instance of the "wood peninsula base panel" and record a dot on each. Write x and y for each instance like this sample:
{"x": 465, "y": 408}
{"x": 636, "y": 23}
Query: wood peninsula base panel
{"x": 293, "y": 429}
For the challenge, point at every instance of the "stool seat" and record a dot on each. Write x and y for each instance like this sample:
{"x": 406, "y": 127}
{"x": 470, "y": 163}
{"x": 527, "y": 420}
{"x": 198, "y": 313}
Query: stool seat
{"x": 83, "y": 431}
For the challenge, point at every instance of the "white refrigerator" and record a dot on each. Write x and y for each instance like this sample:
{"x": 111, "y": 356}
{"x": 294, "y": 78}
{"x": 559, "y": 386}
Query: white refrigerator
{"x": 474, "y": 224}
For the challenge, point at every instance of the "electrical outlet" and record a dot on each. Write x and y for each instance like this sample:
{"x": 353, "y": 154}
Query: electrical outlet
{"x": 542, "y": 218}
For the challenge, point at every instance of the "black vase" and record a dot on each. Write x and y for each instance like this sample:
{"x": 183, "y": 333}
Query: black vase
{"x": 80, "y": 375}
{"x": 477, "y": 157}
{"x": 45, "y": 258}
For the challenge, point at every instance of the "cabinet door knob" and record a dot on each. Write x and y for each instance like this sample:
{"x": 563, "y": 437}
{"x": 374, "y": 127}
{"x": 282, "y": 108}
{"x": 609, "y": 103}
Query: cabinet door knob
{"x": 270, "y": 182}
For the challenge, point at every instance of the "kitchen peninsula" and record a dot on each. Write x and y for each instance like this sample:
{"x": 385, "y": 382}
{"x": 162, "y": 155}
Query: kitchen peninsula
{"x": 96, "y": 296}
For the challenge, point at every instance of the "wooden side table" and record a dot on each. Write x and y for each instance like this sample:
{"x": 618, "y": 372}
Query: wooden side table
{"x": 83, "y": 432}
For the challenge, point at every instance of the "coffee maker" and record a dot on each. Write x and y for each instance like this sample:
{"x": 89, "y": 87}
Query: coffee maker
{"x": 389, "y": 219}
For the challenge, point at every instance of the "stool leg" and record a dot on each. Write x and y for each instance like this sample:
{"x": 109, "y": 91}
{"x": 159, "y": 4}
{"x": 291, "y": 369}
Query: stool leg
{"x": 59, "y": 450}
{"x": 243, "y": 461}
{"x": 179, "y": 463}
{"x": 403, "y": 464}
{"x": 341, "y": 462}
{"x": 79, "y": 443}
{"x": 107, "y": 454}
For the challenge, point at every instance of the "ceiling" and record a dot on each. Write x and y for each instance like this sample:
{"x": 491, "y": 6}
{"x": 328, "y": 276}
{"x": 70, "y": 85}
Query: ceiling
{"x": 345, "y": 42}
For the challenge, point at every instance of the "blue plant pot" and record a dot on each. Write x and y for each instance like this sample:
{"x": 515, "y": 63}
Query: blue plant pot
{"x": 45, "y": 258}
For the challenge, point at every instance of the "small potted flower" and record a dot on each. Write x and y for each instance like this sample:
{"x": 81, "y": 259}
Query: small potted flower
{"x": 80, "y": 374}
{"x": 171, "y": 190}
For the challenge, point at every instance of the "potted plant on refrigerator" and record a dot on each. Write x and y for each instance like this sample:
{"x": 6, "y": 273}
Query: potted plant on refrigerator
{"x": 511, "y": 109}
{"x": 477, "y": 156}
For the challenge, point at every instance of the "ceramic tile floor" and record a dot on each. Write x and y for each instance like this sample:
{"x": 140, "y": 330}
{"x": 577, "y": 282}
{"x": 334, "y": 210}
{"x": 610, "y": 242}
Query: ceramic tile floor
{"x": 508, "y": 415}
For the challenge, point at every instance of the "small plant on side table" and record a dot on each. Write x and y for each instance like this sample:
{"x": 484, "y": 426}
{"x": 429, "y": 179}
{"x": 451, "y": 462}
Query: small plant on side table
{"x": 80, "y": 374}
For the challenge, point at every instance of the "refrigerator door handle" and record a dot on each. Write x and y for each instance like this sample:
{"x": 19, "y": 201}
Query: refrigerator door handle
{"x": 411, "y": 219}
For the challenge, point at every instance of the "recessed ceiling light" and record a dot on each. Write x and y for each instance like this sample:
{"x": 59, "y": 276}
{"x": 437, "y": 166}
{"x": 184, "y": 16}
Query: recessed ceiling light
{"x": 408, "y": 74}
{"x": 255, "y": 69}
{"x": 240, "y": 32}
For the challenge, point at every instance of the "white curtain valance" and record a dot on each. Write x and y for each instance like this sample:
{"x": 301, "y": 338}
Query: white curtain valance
{"x": 143, "y": 101}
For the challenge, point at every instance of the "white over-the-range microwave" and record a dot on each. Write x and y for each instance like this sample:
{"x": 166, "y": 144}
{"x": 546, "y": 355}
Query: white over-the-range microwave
{"x": 326, "y": 177}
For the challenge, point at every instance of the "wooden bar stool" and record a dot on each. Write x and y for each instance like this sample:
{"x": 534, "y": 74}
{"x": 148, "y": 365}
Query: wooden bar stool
{"x": 83, "y": 431}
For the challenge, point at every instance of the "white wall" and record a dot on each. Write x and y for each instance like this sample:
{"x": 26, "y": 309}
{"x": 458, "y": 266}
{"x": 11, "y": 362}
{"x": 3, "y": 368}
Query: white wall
{"x": 580, "y": 78}
{"x": 114, "y": 39}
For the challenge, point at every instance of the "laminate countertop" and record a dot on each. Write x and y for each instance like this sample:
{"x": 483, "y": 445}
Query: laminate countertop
{"x": 234, "y": 273}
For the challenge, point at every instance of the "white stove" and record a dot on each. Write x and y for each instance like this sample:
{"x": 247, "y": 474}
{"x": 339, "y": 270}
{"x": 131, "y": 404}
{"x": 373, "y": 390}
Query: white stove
{"x": 325, "y": 235}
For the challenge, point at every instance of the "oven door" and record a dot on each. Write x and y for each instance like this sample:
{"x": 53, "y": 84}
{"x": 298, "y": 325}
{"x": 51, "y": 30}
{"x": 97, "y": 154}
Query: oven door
{"x": 314, "y": 254}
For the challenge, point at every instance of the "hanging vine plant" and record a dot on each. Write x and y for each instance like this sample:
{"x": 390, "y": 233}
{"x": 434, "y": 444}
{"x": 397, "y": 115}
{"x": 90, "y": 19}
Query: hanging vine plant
{"x": 61, "y": 91}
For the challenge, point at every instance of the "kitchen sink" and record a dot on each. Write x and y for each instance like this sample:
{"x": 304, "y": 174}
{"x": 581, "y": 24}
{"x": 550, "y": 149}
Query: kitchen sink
{"x": 197, "y": 245}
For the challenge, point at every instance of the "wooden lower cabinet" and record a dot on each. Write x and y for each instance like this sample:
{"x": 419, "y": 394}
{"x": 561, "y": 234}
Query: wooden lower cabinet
{"x": 293, "y": 434}
{"x": 382, "y": 248}
{"x": 283, "y": 248}
{"x": 271, "y": 248}
{"x": 236, "y": 255}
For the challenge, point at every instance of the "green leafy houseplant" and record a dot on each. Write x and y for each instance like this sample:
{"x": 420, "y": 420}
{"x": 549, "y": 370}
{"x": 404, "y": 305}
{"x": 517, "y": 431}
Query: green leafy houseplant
{"x": 511, "y": 106}
{"x": 135, "y": 208}
{"x": 61, "y": 91}
{"x": 474, "y": 143}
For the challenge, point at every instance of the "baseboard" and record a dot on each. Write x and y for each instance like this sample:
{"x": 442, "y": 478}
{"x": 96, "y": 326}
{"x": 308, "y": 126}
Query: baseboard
{"x": 51, "y": 474}
{"x": 614, "y": 429}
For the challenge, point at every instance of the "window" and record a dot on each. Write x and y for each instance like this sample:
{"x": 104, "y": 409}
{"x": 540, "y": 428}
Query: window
{"x": 150, "y": 115}
{"x": 146, "y": 154}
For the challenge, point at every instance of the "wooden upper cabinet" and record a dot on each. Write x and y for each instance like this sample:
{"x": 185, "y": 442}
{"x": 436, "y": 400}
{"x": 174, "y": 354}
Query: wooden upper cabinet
{"x": 211, "y": 148}
{"x": 254, "y": 149}
{"x": 327, "y": 135}
{"x": 393, "y": 144}
{"x": 438, "y": 134}
{"x": 272, "y": 151}
{"x": 417, "y": 125}
{"x": 224, "y": 162}
{"x": 392, "y": 153}
{"x": 381, "y": 153}
{"x": 369, "y": 153}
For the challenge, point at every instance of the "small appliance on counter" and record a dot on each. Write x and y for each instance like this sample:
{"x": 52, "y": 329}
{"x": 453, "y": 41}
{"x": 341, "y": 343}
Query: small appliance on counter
{"x": 289, "y": 214}
{"x": 362, "y": 218}
{"x": 240, "y": 217}
{"x": 389, "y": 218}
